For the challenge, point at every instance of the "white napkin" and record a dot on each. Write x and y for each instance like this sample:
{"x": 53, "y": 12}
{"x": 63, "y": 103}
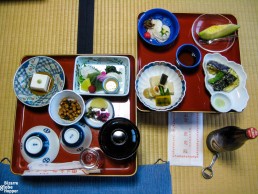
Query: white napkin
{"x": 67, "y": 168}
{"x": 185, "y": 139}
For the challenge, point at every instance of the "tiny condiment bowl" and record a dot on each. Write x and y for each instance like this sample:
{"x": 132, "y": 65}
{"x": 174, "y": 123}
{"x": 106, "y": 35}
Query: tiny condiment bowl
{"x": 221, "y": 102}
{"x": 111, "y": 85}
{"x": 54, "y": 107}
{"x": 188, "y": 57}
{"x": 39, "y": 144}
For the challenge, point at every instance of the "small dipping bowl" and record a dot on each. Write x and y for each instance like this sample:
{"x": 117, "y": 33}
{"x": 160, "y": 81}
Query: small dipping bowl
{"x": 221, "y": 102}
{"x": 111, "y": 85}
{"x": 188, "y": 57}
{"x": 92, "y": 158}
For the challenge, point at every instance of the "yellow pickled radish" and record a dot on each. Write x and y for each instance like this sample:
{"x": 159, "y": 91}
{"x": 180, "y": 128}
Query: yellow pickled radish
{"x": 218, "y": 31}
{"x": 99, "y": 103}
{"x": 85, "y": 84}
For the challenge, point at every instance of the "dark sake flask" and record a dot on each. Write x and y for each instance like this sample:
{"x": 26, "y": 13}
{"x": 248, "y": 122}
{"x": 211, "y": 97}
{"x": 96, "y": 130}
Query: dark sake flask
{"x": 229, "y": 138}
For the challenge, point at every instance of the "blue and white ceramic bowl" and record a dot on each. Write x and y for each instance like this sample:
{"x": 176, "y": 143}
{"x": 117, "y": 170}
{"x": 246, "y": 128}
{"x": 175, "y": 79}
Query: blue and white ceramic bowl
{"x": 158, "y": 68}
{"x": 75, "y": 138}
{"x": 167, "y": 18}
{"x": 23, "y": 75}
{"x": 39, "y": 144}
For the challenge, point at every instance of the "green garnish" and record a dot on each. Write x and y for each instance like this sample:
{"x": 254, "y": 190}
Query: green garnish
{"x": 112, "y": 69}
{"x": 163, "y": 31}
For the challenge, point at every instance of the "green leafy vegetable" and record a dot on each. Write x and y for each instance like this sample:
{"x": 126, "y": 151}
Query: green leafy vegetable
{"x": 94, "y": 81}
{"x": 218, "y": 77}
{"x": 112, "y": 69}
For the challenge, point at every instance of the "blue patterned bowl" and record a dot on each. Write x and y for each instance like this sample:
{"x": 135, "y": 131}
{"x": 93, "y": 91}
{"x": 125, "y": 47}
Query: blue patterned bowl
{"x": 23, "y": 75}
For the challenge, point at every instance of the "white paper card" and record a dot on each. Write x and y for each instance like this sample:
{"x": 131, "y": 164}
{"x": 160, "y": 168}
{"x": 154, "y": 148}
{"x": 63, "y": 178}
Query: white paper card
{"x": 185, "y": 139}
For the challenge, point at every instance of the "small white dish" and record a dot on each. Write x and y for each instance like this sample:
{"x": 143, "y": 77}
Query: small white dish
{"x": 75, "y": 138}
{"x": 39, "y": 143}
{"x": 239, "y": 95}
{"x": 111, "y": 85}
{"x": 158, "y": 68}
{"x": 92, "y": 122}
{"x": 221, "y": 102}
{"x": 98, "y": 64}
{"x": 54, "y": 106}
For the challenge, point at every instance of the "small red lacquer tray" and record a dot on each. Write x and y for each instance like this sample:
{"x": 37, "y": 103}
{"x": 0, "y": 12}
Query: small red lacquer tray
{"x": 27, "y": 117}
{"x": 197, "y": 98}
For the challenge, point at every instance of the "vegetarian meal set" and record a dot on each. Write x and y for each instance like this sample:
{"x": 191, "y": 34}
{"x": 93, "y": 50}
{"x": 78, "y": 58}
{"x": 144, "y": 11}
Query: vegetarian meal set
{"x": 76, "y": 114}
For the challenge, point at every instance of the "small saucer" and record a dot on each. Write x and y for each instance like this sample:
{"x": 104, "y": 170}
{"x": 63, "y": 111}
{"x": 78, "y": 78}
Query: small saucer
{"x": 221, "y": 102}
{"x": 92, "y": 122}
{"x": 39, "y": 143}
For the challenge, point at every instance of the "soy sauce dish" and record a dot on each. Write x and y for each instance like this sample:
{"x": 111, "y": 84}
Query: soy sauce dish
{"x": 221, "y": 102}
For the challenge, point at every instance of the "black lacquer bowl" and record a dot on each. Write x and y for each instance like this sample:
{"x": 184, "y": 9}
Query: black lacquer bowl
{"x": 119, "y": 138}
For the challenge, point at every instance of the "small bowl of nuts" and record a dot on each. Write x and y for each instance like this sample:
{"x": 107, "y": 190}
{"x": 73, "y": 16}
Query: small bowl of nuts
{"x": 66, "y": 107}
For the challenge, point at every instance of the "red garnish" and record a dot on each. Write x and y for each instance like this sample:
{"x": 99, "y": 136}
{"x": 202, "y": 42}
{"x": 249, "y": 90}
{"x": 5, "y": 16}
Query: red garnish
{"x": 92, "y": 89}
{"x": 147, "y": 35}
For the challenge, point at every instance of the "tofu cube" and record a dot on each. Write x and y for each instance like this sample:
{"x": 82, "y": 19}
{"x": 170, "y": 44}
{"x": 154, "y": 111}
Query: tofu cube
{"x": 40, "y": 82}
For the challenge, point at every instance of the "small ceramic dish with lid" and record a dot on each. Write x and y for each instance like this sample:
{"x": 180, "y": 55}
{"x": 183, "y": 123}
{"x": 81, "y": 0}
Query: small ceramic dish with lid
{"x": 75, "y": 138}
{"x": 39, "y": 144}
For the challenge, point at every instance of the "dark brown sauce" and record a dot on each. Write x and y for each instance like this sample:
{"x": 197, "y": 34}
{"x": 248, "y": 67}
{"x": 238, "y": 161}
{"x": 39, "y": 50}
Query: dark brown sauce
{"x": 187, "y": 57}
{"x": 51, "y": 84}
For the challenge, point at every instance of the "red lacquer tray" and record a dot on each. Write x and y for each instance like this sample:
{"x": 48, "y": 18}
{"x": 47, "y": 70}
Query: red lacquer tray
{"x": 27, "y": 117}
{"x": 197, "y": 98}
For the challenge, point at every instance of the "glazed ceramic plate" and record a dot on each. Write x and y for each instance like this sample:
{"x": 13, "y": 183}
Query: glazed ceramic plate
{"x": 99, "y": 64}
{"x": 23, "y": 75}
{"x": 39, "y": 144}
{"x": 94, "y": 122}
{"x": 206, "y": 20}
{"x": 239, "y": 96}
{"x": 158, "y": 68}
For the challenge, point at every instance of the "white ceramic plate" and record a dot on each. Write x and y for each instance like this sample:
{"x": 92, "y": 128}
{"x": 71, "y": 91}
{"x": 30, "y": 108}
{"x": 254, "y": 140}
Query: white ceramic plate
{"x": 238, "y": 96}
{"x": 94, "y": 122}
{"x": 158, "y": 68}
{"x": 99, "y": 63}
{"x": 40, "y": 144}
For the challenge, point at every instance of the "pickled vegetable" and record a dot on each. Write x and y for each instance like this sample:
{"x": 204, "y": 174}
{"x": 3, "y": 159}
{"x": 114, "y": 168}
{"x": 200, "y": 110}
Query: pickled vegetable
{"x": 218, "y": 31}
{"x": 163, "y": 100}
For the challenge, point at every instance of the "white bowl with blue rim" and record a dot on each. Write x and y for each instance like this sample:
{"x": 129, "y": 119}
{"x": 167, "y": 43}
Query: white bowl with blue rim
{"x": 40, "y": 144}
{"x": 23, "y": 75}
{"x": 158, "y": 68}
{"x": 75, "y": 138}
